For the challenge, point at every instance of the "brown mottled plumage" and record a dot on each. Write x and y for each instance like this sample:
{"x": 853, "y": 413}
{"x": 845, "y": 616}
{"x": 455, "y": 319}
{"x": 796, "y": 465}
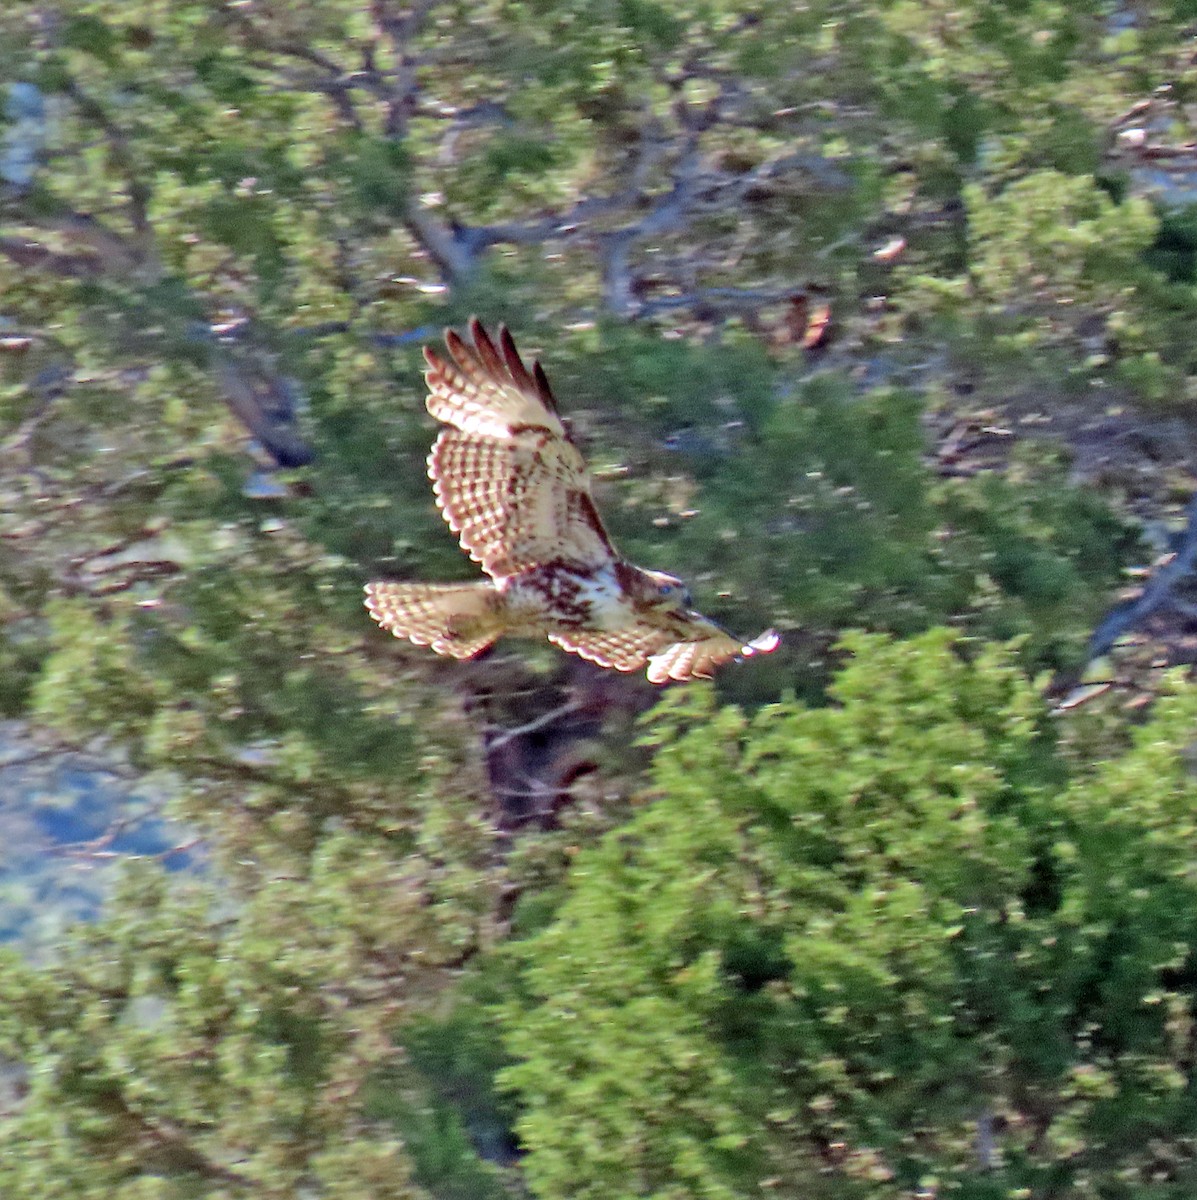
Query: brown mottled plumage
{"x": 514, "y": 487}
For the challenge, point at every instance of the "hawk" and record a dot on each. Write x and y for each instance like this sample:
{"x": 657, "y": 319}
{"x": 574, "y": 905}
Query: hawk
{"x": 514, "y": 487}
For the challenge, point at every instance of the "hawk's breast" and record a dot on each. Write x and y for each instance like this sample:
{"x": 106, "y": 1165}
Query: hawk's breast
{"x": 557, "y": 595}
{"x": 609, "y": 605}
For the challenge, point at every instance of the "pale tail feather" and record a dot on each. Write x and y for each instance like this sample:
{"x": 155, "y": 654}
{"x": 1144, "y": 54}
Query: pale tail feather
{"x": 460, "y": 619}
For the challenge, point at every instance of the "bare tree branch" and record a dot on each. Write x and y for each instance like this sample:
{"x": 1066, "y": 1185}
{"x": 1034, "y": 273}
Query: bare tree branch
{"x": 126, "y": 162}
{"x": 1158, "y": 592}
{"x": 554, "y": 714}
{"x": 715, "y": 300}
{"x": 456, "y": 257}
{"x": 400, "y": 28}
{"x": 266, "y": 403}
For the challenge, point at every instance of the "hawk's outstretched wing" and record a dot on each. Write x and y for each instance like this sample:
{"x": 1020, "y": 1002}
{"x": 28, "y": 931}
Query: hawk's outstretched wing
{"x": 667, "y": 657}
{"x": 507, "y": 477}
{"x": 698, "y": 660}
{"x": 622, "y": 649}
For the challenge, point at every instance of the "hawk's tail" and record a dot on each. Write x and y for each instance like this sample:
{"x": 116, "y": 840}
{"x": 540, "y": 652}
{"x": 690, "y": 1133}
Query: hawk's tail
{"x": 460, "y": 619}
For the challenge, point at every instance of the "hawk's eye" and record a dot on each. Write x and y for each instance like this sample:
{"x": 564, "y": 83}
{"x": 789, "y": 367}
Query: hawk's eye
{"x": 676, "y": 591}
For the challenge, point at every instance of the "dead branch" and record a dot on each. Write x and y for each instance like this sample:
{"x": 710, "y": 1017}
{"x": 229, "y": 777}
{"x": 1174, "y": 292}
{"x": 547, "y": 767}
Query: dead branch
{"x": 554, "y": 714}
{"x": 266, "y": 403}
{"x": 1157, "y": 593}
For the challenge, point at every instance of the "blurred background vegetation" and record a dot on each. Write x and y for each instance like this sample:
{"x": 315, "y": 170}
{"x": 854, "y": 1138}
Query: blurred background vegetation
{"x": 875, "y": 321}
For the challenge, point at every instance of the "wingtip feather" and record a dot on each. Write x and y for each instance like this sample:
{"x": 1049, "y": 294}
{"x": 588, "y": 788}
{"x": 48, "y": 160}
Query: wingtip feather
{"x": 765, "y": 643}
{"x": 457, "y": 346}
{"x": 542, "y": 387}
{"x": 515, "y": 364}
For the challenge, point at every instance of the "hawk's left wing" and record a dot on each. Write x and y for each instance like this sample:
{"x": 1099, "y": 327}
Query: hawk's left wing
{"x": 622, "y": 649}
{"x": 698, "y": 660}
{"x": 507, "y": 477}
{"x": 667, "y": 657}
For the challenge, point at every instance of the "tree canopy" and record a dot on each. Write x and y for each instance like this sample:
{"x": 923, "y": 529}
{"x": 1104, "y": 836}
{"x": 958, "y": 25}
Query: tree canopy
{"x": 874, "y": 321}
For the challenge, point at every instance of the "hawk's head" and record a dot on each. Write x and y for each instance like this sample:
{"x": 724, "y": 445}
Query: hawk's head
{"x": 665, "y": 592}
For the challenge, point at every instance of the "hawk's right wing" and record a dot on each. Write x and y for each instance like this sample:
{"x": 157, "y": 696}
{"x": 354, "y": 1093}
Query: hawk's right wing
{"x": 667, "y": 658}
{"x": 507, "y": 477}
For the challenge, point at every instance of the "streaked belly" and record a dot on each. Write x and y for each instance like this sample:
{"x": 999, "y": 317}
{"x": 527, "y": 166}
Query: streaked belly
{"x": 560, "y": 596}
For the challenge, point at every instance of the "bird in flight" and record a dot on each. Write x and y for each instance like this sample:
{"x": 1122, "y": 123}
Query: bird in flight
{"x": 514, "y": 487}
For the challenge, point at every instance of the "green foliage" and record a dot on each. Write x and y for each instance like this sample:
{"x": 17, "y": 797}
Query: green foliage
{"x": 831, "y": 940}
{"x": 1174, "y": 251}
{"x": 173, "y": 1051}
{"x": 839, "y": 937}
{"x": 1055, "y": 237}
{"x": 825, "y": 501}
{"x": 445, "y": 1106}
